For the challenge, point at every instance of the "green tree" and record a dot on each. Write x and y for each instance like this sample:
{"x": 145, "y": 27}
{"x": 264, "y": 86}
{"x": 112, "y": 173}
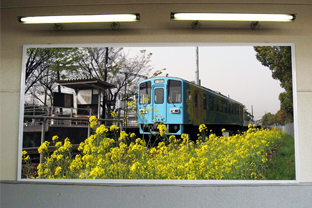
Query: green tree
{"x": 281, "y": 114}
{"x": 44, "y": 67}
{"x": 286, "y": 99}
{"x": 265, "y": 119}
{"x": 115, "y": 66}
{"x": 36, "y": 66}
{"x": 278, "y": 60}
{"x": 269, "y": 119}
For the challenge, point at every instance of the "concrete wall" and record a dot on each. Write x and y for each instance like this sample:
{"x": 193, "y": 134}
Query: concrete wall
{"x": 288, "y": 128}
{"x": 97, "y": 196}
{"x": 154, "y": 27}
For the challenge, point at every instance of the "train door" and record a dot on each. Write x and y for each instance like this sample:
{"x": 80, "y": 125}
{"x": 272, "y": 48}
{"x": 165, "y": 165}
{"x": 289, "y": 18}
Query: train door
{"x": 174, "y": 102}
{"x": 159, "y": 108}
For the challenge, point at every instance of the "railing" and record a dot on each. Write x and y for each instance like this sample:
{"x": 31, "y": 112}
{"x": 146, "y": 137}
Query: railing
{"x": 52, "y": 110}
{"x": 45, "y": 119}
{"x": 67, "y": 113}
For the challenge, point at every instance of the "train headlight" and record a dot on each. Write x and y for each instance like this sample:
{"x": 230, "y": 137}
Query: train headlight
{"x": 175, "y": 110}
{"x": 143, "y": 111}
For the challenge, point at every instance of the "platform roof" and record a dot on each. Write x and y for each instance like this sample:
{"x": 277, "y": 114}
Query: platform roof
{"x": 86, "y": 84}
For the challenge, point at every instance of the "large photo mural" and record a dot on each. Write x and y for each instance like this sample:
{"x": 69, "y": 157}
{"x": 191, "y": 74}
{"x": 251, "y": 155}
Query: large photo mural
{"x": 167, "y": 114}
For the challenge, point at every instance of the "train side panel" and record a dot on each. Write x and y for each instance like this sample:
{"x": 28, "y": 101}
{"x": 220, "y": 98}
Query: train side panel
{"x": 205, "y": 107}
{"x": 183, "y": 106}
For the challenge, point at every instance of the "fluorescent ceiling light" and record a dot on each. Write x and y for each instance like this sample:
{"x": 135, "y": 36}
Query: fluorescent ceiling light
{"x": 233, "y": 17}
{"x": 80, "y": 18}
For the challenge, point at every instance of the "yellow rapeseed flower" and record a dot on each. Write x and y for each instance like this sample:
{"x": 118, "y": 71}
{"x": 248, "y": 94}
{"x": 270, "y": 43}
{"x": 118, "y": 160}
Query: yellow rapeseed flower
{"x": 101, "y": 129}
{"x": 113, "y": 114}
{"x": 132, "y": 105}
{"x": 24, "y": 153}
{"x": 44, "y": 147}
{"x": 67, "y": 144}
{"x": 58, "y": 144}
{"x": 93, "y": 121}
{"x": 114, "y": 128}
{"x": 146, "y": 100}
{"x": 162, "y": 129}
{"x": 58, "y": 170}
{"x": 202, "y": 127}
{"x": 235, "y": 157}
{"x": 123, "y": 136}
{"x": 54, "y": 138}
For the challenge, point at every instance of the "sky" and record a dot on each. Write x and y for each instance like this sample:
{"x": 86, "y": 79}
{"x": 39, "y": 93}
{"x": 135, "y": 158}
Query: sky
{"x": 232, "y": 70}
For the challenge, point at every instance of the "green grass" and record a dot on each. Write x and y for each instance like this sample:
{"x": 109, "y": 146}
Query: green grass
{"x": 282, "y": 163}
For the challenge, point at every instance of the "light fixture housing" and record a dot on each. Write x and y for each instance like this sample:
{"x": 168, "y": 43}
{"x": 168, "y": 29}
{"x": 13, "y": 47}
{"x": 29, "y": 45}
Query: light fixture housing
{"x": 233, "y": 17}
{"x": 80, "y": 19}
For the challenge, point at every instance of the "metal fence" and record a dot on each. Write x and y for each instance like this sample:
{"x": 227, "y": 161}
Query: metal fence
{"x": 45, "y": 121}
{"x": 288, "y": 128}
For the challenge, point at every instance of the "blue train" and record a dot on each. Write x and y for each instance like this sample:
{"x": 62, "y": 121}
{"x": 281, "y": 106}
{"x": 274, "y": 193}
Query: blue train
{"x": 183, "y": 106}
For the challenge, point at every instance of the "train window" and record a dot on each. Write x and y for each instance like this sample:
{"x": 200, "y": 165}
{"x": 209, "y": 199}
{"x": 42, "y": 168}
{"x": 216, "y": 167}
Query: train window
{"x": 236, "y": 109}
{"x": 211, "y": 107}
{"x": 225, "y": 107}
{"x": 145, "y": 93}
{"x": 216, "y": 104}
{"x": 159, "y": 95}
{"x": 221, "y": 106}
{"x": 240, "y": 110}
{"x": 205, "y": 101}
{"x": 174, "y": 91}
{"x": 231, "y": 108}
{"x": 196, "y": 100}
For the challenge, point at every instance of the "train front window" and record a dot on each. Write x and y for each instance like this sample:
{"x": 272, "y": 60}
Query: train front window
{"x": 145, "y": 92}
{"x": 159, "y": 96}
{"x": 174, "y": 91}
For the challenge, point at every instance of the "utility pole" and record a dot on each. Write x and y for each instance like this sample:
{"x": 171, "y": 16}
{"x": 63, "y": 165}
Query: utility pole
{"x": 252, "y": 116}
{"x": 197, "y": 68}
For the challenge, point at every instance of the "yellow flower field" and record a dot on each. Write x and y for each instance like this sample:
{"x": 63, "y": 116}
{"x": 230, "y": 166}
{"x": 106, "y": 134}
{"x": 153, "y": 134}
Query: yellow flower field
{"x": 239, "y": 157}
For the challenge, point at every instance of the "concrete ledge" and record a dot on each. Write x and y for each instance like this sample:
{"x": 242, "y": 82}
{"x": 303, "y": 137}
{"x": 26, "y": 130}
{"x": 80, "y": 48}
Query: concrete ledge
{"x": 27, "y": 194}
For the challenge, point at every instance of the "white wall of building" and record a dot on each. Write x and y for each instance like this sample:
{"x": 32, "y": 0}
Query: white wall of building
{"x": 156, "y": 28}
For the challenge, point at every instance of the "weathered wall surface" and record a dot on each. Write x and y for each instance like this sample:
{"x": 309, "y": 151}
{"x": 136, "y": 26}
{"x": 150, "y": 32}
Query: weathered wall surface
{"x": 154, "y": 27}
{"x": 72, "y": 196}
